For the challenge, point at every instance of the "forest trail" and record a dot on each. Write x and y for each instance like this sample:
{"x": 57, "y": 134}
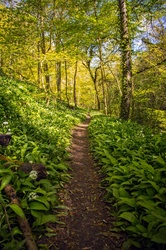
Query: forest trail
{"x": 87, "y": 221}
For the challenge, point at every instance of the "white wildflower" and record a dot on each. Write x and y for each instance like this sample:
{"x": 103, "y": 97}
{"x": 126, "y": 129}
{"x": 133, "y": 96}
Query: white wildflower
{"x": 9, "y": 131}
{"x": 5, "y": 123}
{"x": 32, "y": 196}
{"x": 33, "y": 174}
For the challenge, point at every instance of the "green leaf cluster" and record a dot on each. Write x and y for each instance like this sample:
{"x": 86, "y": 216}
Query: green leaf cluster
{"x": 133, "y": 161}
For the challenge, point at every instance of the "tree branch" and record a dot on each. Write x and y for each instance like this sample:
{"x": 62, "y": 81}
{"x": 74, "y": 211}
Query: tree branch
{"x": 150, "y": 67}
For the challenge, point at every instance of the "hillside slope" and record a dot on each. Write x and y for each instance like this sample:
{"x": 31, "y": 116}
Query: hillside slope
{"x": 40, "y": 137}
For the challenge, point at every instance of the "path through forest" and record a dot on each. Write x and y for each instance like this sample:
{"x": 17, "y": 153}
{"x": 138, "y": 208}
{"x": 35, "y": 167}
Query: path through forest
{"x": 87, "y": 222}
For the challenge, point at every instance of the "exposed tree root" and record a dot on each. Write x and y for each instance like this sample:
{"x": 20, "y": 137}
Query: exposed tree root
{"x": 23, "y": 223}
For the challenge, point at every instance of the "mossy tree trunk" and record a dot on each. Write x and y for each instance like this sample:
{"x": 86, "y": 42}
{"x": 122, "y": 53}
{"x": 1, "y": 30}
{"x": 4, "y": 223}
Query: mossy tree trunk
{"x": 126, "y": 62}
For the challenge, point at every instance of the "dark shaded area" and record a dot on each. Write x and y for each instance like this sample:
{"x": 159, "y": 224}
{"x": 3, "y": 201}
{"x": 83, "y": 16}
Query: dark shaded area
{"x": 5, "y": 139}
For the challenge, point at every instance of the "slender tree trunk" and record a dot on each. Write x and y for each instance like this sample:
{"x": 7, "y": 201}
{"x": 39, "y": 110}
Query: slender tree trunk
{"x": 96, "y": 90}
{"x": 102, "y": 77}
{"x": 39, "y": 66}
{"x": 43, "y": 49}
{"x": 74, "y": 86}
{"x": 126, "y": 62}
{"x": 47, "y": 77}
{"x": 58, "y": 79}
{"x": 101, "y": 62}
{"x": 104, "y": 91}
{"x": 1, "y": 63}
{"x": 94, "y": 79}
{"x": 66, "y": 83}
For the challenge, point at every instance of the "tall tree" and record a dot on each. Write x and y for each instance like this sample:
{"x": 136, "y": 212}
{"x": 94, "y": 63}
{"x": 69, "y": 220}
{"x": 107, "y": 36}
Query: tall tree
{"x": 126, "y": 61}
{"x": 74, "y": 85}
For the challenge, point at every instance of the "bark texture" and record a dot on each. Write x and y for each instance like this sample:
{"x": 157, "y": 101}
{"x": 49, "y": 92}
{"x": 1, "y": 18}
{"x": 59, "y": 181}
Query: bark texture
{"x": 126, "y": 62}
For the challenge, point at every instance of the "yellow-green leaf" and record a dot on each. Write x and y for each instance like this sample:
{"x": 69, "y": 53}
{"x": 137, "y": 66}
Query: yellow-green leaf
{"x": 18, "y": 210}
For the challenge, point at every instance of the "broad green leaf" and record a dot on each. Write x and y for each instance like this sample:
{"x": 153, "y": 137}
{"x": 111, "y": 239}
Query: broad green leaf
{"x": 18, "y": 210}
{"x": 162, "y": 190}
{"x": 28, "y": 183}
{"x": 125, "y": 169}
{"x": 160, "y": 237}
{"x": 123, "y": 193}
{"x": 5, "y": 180}
{"x": 141, "y": 228}
{"x": 6, "y": 171}
{"x": 123, "y": 208}
{"x": 149, "y": 218}
{"x": 126, "y": 183}
{"x": 150, "y": 192}
{"x": 38, "y": 215}
{"x": 129, "y": 242}
{"x": 159, "y": 213}
{"x": 35, "y": 205}
{"x": 113, "y": 161}
{"x": 148, "y": 204}
{"x": 160, "y": 197}
{"x": 62, "y": 207}
{"x": 117, "y": 178}
{"x": 154, "y": 185}
{"x": 129, "y": 217}
{"x": 62, "y": 166}
{"x": 24, "y": 149}
{"x": 115, "y": 192}
{"x": 43, "y": 200}
{"x": 147, "y": 167}
{"x": 114, "y": 185}
{"x": 128, "y": 201}
{"x": 136, "y": 193}
{"x": 48, "y": 218}
{"x": 162, "y": 225}
{"x": 40, "y": 191}
{"x": 132, "y": 229}
{"x": 16, "y": 231}
{"x": 159, "y": 160}
{"x": 153, "y": 225}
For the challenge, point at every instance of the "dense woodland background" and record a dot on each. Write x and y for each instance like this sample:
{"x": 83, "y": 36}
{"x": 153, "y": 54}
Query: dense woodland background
{"x": 105, "y": 55}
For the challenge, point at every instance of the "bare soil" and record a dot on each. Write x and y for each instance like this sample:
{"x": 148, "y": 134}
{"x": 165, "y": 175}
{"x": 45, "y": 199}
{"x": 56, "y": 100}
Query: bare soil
{"x": 86, "y": 223}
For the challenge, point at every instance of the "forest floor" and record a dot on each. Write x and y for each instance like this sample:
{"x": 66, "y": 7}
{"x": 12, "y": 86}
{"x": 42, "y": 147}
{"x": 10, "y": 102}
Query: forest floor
{"x": 87, "y": 221}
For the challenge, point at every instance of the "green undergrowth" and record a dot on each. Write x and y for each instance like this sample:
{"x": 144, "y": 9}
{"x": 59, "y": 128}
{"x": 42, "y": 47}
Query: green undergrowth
{"x": 40, "y": 134}
{"x": 133, "y": 163}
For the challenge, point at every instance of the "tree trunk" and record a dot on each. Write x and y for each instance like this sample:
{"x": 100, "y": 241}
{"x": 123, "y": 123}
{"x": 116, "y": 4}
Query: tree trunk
{"x": 43, "y": 49}
{"x": 96, "y": 90}
{"x": 23, "y": 222}
{"x": 1, "y": 63}
{"x": 74, "y": 86}
{"x": 126, "y": 62}
{"x": 58, "y": 79}
{"x": 66, "y": 83}
{"x": 94, "y": 79}
{"x": 39, "y": 66}
{"x": 101, "y": 62}
{"x": 102, "y": 77}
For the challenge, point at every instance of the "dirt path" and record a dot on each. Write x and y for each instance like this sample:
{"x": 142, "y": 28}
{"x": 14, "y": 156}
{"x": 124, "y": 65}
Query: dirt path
{"x": 87, "y": 222}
